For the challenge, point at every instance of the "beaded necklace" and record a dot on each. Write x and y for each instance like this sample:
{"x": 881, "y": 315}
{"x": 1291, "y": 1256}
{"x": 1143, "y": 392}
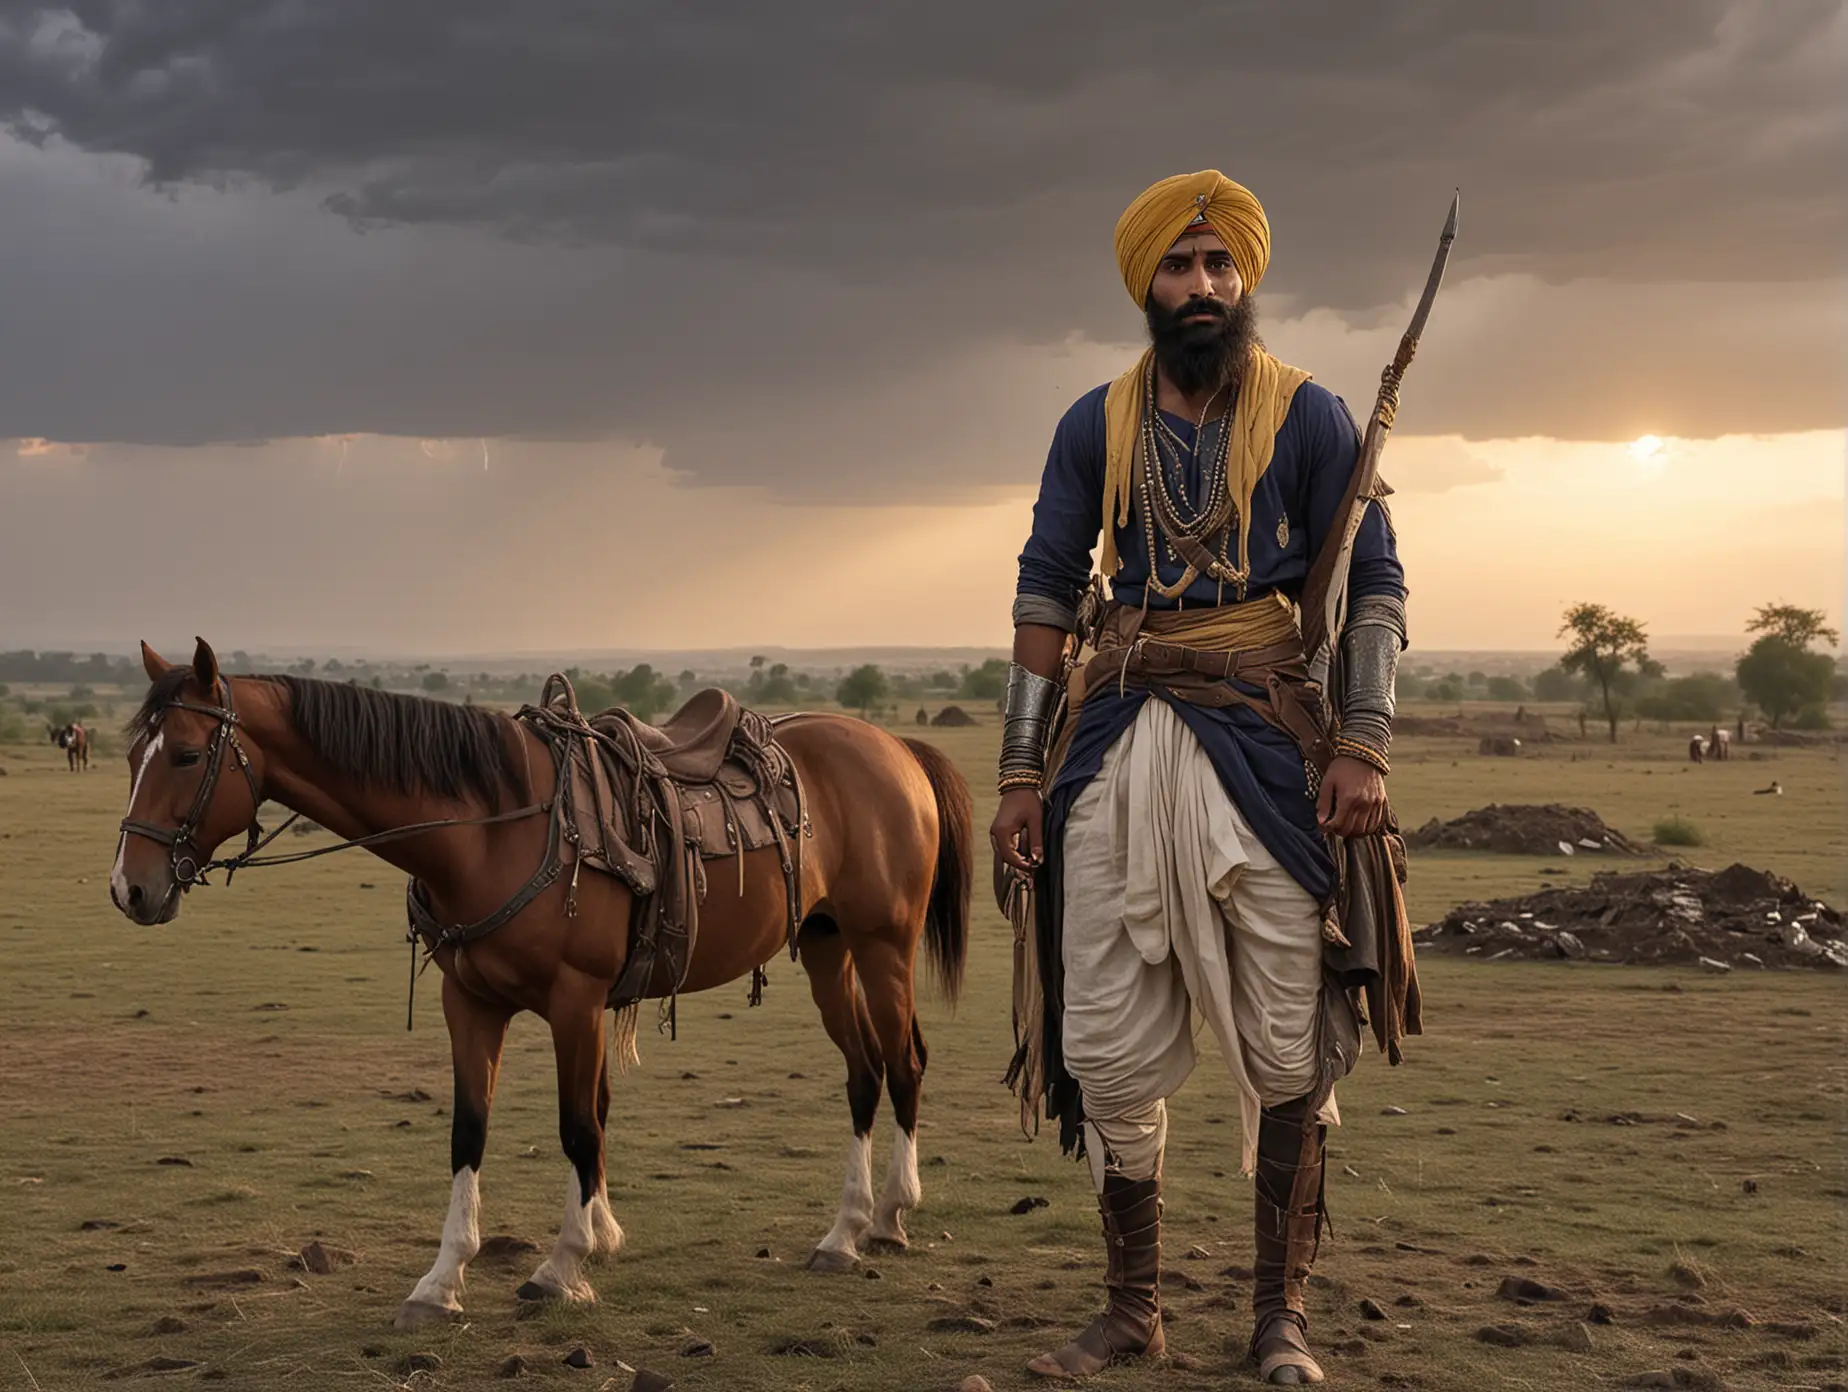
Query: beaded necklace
{"x": 1191, "y": 534}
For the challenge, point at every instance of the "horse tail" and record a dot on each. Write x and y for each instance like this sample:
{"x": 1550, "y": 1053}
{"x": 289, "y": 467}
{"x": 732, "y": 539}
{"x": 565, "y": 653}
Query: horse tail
{"x": 946, "y": 920}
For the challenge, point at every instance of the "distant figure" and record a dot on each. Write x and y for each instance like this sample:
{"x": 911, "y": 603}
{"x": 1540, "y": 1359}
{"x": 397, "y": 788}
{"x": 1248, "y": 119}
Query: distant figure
{"x": 74, "y": 740}
{"x": 1581, "y": 724}
{"x": 923, "y": 716}
{"x": 1775, "y": 790}
{"x": 1697, "y": 750}
{"x": 1520, "y": 715}
{"x": 1741, "y": 727}
{"x": 1720, "y": 742}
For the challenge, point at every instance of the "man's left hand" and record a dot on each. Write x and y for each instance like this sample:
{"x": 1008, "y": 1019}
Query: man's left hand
{"x": 1353, "y": 799}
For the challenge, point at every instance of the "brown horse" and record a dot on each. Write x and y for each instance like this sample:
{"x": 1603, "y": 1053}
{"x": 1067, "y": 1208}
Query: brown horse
{"x": 888, "y": 864}
{"x": 74, "y": 740}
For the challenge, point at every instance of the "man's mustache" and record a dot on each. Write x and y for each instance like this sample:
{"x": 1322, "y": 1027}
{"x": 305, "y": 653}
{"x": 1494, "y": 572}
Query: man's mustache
{"x": 1217, "y": 308}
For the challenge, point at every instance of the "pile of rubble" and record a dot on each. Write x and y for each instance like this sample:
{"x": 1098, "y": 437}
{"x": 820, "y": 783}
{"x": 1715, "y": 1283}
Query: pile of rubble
{"x": 1736, "y": 917}
{"x": 1524, "y": 829}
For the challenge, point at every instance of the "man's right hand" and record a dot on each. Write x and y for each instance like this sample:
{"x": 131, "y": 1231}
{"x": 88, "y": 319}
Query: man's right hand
{"x": 1018, "y": 830}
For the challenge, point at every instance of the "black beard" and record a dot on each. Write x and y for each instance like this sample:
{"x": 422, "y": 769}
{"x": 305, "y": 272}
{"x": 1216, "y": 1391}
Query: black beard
{"x": 1204, "y": 357}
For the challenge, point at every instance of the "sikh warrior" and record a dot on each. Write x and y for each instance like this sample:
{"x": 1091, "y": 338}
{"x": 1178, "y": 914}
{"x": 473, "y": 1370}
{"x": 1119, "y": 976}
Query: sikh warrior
{"x": 1186, "y": 850}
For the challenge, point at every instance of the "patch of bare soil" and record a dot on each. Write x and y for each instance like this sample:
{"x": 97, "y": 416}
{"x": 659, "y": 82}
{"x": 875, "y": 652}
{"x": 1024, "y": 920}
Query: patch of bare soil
{"x": 1736, "y": 917}
{"x": 1525, "y": 829}
{"x": 1529, "y": 728}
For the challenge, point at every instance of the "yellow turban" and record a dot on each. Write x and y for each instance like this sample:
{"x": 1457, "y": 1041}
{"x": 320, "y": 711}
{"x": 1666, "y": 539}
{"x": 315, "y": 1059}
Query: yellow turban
{"x": 1148, "y": 227}
{"x": 1151, "y": 224}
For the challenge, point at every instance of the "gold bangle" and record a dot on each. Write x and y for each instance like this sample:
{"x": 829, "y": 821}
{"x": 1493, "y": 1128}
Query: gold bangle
{"x": 1366, "y": 754}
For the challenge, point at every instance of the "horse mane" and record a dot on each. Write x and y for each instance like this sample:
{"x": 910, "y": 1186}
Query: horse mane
{"x": 381, "y": 739}
{"x": 407, "y": 744}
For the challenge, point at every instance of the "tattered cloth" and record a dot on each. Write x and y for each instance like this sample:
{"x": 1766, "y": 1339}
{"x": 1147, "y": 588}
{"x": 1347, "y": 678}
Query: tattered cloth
{"x": 651, "y": 806}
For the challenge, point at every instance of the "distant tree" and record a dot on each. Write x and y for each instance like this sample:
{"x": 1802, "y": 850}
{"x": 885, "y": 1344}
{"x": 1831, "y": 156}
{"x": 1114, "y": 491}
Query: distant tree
{"x": 1611, "y": 652}
{"x": 774, "y": 686}
{"x": 333, "y": 667}
{"x": 757, "y": 661}
{"x": 1557, "y": 684}
{"x": 435, "y": 681}
{"x": 644, "y": 691}
{"x": 1779, "y": 673}
{"x": 304, "y": 668}
{"x": 1478, "y": 678}
{"x": 1507, "y": 689}
{"x": 378, "y": 683}
{"x": 1409, "y": 686}
{"x": 1448, "y": 689}
{"x": 81, "y": 692}
{"x": 688, "y": 679}
{"x": 862, "y": 689}
{"x": 1798, "y": 627}
{"x": 1703, "y": 696}
{"x": 987, "y": 682}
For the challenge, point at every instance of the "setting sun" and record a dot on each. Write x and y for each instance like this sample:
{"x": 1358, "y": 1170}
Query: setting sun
{"x": 1647, "y": 447}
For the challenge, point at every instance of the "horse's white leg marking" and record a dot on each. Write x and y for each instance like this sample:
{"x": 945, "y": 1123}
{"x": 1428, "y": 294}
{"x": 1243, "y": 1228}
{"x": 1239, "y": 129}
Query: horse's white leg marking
{"x": 606, "y": 1232}
{"x": 902, "y": 1190}
{"x": 118, "y": 877}
{"x": 441, "y": 1287}
{"x": 856, "y": 1213}
{"x": 561, "y": 1275}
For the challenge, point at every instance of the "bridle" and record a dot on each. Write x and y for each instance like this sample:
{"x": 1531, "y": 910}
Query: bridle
{"x": 183, "y": 853}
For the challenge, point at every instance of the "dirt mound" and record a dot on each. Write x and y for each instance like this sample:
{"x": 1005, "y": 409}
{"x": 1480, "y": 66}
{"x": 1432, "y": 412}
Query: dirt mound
{"x": 1736, "y": 917}
{"x": 1525, "y": 829}
{"x": 953, "y": 716}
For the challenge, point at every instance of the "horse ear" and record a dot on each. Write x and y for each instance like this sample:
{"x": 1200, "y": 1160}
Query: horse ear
{"x": 153, "y": 663}
{"x": 205, "y": 667}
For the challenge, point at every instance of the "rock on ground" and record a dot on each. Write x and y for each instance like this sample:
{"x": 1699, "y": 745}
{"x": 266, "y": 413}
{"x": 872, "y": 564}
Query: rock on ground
{"x": 1671, "y": 917}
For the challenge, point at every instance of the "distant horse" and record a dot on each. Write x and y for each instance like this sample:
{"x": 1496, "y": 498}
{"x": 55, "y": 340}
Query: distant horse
{"x": 1697, "y": 749}
{"x": 74, "y": 740}
{"x": 887, "y": 865}
{"x": 1719, "y": 744}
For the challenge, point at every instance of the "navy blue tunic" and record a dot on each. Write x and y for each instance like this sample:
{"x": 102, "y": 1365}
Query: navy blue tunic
{"x": 1260, "y": 768}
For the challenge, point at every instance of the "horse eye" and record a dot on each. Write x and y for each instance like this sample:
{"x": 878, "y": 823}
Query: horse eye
{"x": 186, "y": 758}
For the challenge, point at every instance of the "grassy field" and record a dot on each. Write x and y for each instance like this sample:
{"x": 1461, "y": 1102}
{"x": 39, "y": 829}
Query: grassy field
{"x": 1665, "y": 1144}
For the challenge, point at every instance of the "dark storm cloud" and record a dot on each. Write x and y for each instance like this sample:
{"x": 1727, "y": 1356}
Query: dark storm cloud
{"x": 710, "y": 224}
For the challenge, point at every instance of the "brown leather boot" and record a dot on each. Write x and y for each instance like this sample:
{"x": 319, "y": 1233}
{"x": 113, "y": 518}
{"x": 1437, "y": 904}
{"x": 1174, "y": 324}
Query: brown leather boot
{"x": 1130, "y": 1326}
{"x": 1289, "y": 1230}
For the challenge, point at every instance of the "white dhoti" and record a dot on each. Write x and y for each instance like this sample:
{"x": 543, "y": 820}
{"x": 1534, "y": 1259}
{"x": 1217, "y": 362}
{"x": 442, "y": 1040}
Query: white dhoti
{"x": 1173, "y": 904}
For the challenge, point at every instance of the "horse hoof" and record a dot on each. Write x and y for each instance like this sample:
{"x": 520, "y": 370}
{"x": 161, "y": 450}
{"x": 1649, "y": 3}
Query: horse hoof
{"x": 415, "y": 1314}
{"x": 832, "y": 1263}
{"x": 533, "y": 1291}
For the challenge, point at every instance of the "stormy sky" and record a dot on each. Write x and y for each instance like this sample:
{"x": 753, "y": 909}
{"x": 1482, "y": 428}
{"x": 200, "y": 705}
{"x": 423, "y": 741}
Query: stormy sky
{"x": 824, "y": 259}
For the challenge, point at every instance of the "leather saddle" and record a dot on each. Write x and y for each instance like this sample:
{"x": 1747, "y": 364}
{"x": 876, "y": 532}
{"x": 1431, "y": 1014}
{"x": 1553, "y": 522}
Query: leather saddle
{"x": 693, "y": 742}
{"x": 650, "y": 804}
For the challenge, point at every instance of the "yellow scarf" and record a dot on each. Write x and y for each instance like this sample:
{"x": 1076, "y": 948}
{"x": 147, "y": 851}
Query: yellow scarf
{"x": 1264, "y": 398}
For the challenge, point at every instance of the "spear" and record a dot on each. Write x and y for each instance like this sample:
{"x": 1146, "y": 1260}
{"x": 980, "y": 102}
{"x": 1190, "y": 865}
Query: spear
{"x": 1325, "y": 590}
